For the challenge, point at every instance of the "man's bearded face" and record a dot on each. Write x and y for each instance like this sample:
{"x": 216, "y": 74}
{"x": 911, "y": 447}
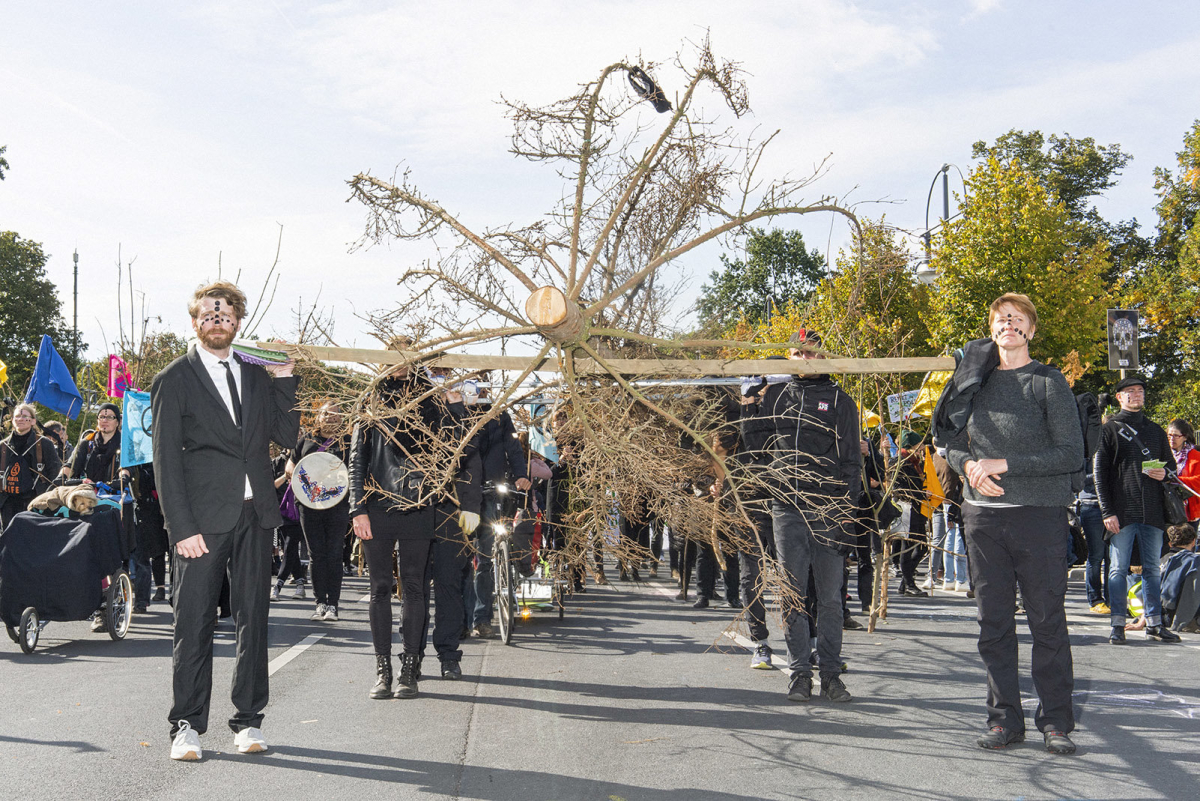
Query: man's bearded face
{"x": 216, "y": 325}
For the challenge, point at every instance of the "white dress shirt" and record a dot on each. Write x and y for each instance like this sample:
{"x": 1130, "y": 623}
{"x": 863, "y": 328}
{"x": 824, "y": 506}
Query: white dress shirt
{"x": 216, "y": 371}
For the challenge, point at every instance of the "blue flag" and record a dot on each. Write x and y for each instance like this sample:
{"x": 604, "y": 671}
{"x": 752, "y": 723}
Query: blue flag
{"x": 52, "y": 385}
{"x": 136, "y": 445}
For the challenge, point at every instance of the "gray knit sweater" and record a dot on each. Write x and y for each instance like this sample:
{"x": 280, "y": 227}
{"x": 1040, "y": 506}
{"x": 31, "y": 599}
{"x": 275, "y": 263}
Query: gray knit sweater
{"x": 1042, "y": 449}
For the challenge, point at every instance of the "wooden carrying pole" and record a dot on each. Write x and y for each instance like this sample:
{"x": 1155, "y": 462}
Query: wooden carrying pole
{"x": 676, "y": 368}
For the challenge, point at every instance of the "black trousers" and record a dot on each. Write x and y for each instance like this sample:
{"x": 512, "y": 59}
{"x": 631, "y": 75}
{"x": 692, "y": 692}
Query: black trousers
{"x": 911, "y": 553}
{"x": 408, "y": 534}
{"x": 751, "y": 569}
{"x": 1022, "y": 546}
{"x": 446, "y": 566}
{"x": 638, "y": 534}
{"x": 244, "y": 555}
{"x": 325, "y": 532}
{"x": 289, "y": 542}
{"x": 707, "y": 567}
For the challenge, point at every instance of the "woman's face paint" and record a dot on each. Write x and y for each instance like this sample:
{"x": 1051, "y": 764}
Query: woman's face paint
{"x": 1010, "y": 326}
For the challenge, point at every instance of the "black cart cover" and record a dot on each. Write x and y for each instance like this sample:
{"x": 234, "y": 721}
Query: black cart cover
{"x": 57, "y": 564}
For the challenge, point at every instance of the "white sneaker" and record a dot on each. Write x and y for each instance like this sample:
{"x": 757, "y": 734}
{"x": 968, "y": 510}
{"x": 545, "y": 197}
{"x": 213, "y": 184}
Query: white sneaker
{"x": 961, "y": 586}
{"x": 275, "y": 593}
{"x": 927, "y": 584}
{"x": 319, "y": 613}
{"x": 331, "y": 613}
{"x": 299, "y": 593}
{"x": 186, "y": 746}
{"x": 250, "y": 741}
{"x": 947, "y": 586}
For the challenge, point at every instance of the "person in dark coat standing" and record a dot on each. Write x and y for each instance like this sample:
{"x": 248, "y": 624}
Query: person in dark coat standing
{"x": 324, "y": 529}
{"x": 214, "y": 419}
{"x": 395, "y": 511}
{"x": 28, "y": 464}
{"x": 1016, "y": 456}
{"x": 809, "y": 429}
{"x": 503, "y": 464}
{"x": 1131, "y": 500}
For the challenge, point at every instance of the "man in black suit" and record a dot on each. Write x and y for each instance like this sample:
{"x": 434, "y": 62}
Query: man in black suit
{"x": 214, "y": 417}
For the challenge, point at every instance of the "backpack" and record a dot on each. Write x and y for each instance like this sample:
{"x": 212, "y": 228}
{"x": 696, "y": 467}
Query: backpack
{"x": 1089, "y": 421}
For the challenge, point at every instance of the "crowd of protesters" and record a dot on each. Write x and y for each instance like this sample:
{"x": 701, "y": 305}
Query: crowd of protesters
{"x": 991, "y": 511}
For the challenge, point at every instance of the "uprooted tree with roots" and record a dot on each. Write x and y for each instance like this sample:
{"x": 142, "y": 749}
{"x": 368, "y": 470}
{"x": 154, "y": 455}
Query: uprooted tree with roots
{"x": 647, "y": 179}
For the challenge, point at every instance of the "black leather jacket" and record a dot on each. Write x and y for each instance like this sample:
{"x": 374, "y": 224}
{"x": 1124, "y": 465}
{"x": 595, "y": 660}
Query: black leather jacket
{"x": 375, "y": 459}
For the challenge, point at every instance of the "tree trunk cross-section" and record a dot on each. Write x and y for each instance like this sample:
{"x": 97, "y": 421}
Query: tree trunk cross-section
{"x": 559, "y": 319}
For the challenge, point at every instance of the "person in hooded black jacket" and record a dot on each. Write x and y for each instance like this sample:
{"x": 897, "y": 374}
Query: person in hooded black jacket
{"x": 29, "y": 463}
{"x": 382, "y": 471}
{"x": 810, "y": 429}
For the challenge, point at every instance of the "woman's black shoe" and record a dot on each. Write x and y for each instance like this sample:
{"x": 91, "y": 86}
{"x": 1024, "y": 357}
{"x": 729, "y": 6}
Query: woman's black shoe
{"x": 406, "y": 685}
{"x": 451, "y": 671}
{"x": 701, "y": 603}
{"x": 1117, "y": 637}
{"x": 383, "y": 669}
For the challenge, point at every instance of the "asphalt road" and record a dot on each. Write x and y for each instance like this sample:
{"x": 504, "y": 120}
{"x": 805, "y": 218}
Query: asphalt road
{"x": 633, "y": 696}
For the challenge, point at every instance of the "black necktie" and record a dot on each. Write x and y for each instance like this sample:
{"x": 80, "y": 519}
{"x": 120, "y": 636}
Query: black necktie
{"x": 233, "y": 394}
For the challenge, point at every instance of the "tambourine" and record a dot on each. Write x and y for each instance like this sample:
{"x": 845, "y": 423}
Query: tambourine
{"x": 320, "y": 480}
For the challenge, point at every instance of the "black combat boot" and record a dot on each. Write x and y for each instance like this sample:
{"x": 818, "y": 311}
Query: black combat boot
{"x": 406, "y": 686}
{"x": 383, "y": 669}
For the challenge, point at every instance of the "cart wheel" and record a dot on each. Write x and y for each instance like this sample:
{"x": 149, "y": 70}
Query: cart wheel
{"x": 12, "y": 633}
{"x": 119, "y": 606}
{"x": 506, "y": 602}
{"x": 29, "y": 630}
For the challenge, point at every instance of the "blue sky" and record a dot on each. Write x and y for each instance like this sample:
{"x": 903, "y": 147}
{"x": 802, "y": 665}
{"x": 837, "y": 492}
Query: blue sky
{"x": 189, "y": 132}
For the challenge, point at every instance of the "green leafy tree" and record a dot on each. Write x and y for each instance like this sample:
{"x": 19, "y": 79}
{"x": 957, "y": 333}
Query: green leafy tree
{"x": 1167, "y": 294}
{"x": 1013, "y": 236}
{"x": 1073, "y": 172}
{"x": 873, "y": 307}
{"x": 3, "y": 161}
{"x": 778, "y": 269}
{"x": 29, "y": 307}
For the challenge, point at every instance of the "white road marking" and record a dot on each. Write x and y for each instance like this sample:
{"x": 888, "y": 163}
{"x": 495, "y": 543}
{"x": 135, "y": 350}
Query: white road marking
{"x": 293, "y": 652}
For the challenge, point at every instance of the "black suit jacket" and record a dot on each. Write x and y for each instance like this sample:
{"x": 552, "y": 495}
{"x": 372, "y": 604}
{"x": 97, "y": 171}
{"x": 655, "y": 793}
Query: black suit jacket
{"x": 201, "y": 459}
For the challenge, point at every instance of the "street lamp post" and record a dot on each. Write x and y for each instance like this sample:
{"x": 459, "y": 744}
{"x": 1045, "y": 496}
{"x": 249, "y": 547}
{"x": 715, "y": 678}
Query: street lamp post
{"x": 75, "y": 321}
{"x": 925, "y": 273}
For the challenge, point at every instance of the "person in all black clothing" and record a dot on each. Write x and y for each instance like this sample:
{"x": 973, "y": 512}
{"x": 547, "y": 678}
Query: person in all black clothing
{"x": 97, "y": 457}
{"x": 1131, "y": 500}
{"x": 503, "y": 464}
{"x": 383, "y": 475}
{"x": 28, "y": 464}
{"x": 910, "y": 487}
{"x": 325, "y": 529}
{"x": 289, "y": 535}
{"x": 97, "y": 460}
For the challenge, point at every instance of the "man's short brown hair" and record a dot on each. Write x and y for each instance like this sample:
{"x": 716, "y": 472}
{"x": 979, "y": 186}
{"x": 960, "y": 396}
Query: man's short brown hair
{"x": 219, "y": 290}
{"x": 1022, "y": 302}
